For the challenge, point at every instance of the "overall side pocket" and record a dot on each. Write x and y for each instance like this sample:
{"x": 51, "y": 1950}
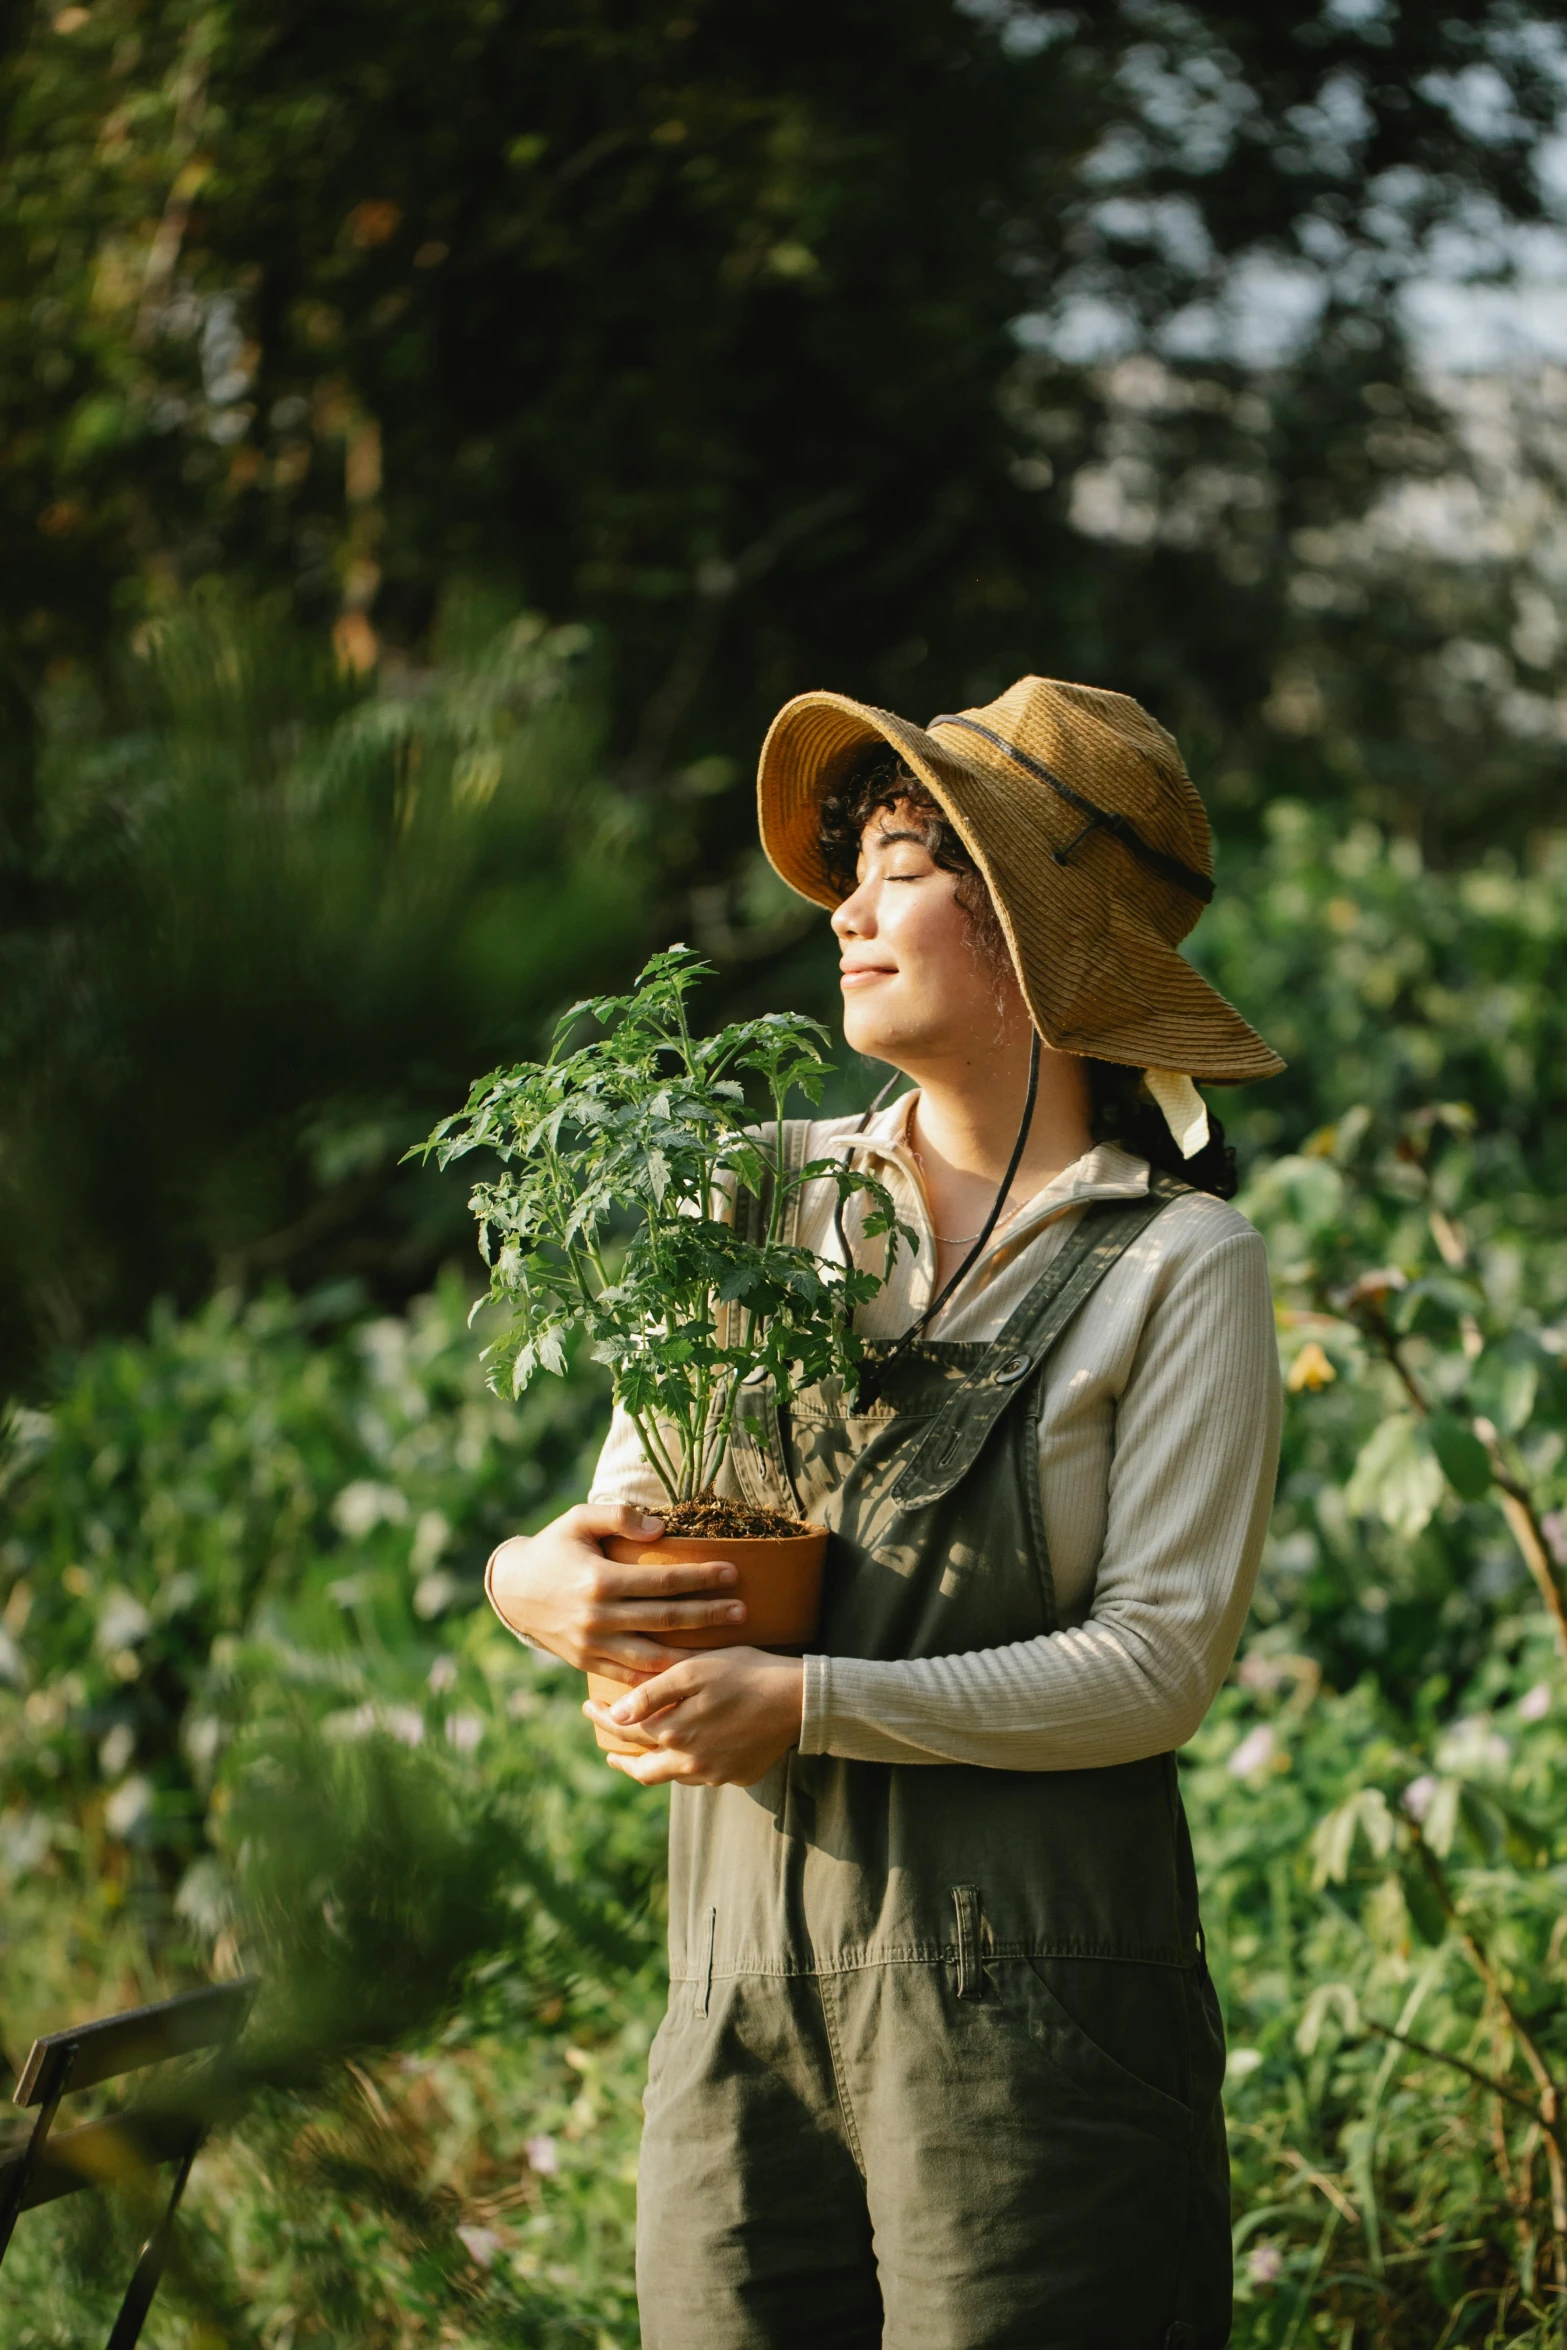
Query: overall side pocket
{"x": 1117, "y": 2030}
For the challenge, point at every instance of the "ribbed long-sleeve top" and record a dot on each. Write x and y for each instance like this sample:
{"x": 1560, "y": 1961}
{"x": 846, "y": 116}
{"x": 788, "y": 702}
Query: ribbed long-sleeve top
{"x": 1158, "y": 1449}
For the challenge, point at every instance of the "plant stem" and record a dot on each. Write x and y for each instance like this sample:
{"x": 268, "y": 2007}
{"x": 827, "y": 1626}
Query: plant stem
{"x": 712, "y": 1468}
{"x": 1547, "y": 2110}
{"x": 775, "y": 1215}
{"x": 1523, "y": 1523}
{"x": 1372, "y": 1318}
{"x": 653, "y": 1450}
{"x": 1440, "y": 2056}
{"x": 1436, "y": 1876}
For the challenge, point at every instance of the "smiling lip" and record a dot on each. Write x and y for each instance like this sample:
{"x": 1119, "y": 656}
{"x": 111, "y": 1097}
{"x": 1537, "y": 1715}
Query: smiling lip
{"x": 856, "y": 974}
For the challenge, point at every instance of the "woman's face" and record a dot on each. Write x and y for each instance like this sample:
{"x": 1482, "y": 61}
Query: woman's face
{"x": 918, "y": 988}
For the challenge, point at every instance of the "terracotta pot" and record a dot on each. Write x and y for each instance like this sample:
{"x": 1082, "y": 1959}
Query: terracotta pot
{"x": 780, "y": 1580}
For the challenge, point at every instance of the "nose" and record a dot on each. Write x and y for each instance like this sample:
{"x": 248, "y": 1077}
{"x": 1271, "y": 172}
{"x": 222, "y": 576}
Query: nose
{"x": 853, "y": 919}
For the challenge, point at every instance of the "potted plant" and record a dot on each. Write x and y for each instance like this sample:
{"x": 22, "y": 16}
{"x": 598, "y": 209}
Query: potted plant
{"x": 614, "y": 1218}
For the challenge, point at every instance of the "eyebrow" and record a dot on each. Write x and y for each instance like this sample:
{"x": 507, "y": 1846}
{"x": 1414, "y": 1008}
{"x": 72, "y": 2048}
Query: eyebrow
{"x": 886, "y": 833}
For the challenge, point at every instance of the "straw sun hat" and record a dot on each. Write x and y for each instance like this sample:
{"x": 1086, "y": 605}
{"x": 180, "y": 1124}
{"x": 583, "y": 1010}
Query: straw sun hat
{"x": 1077, "y": 809}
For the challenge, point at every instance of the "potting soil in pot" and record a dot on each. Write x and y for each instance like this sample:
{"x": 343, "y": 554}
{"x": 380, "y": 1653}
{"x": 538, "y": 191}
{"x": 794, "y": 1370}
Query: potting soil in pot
{"x": 710, "y": 1519}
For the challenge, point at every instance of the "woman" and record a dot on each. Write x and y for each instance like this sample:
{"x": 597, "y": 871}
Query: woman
{"x": 942, "y": 2061}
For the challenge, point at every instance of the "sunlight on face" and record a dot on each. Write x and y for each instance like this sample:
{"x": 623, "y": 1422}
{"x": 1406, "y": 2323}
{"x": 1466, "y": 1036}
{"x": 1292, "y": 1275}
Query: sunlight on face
{"x": 918, "y": 988}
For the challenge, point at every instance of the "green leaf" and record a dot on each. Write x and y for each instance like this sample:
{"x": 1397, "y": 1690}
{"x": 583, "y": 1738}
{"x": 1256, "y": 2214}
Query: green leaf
{"x": 1504, "y": 1387}
{"x": 1397, "y": 1477}
{"x": 1440, "y": 1824}
{"x": 1464, "y": 1459}
{"x": 1327, "y": 2005}
{"x": 1482, "y": 1821}
{"x": 1420, "y": 1899}
{"x": 1333, "y": 1840}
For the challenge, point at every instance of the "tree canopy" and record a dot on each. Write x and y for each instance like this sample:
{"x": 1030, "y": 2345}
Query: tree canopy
{"x": 769, "y": 341}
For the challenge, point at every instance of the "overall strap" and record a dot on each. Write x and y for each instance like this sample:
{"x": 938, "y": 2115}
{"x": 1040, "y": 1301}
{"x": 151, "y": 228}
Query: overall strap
{"x": 1105, "y": 1231}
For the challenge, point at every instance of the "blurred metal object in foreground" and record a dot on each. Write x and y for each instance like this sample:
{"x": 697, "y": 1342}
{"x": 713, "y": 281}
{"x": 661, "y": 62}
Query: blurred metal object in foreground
{"x": 127, "y": 2147}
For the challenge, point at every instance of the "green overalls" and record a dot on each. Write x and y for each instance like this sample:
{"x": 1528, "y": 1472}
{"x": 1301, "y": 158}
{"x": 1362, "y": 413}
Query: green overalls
{"x": 942, "y": 2061}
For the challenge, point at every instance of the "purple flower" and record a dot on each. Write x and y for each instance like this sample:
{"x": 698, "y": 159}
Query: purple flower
{"x": 1418, "y": 1795}
{"x": 1265, "y": 2264}
{"x": 1254, "y": 1753}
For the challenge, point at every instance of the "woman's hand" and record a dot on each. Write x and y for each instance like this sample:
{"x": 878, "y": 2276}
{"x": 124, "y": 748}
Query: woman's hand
{"x": 719, "y": 1718}
{"x": 558, "y": 1588}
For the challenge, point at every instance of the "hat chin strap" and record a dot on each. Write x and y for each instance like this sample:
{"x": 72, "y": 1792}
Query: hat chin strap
{"x": 869, "y": 1380}
{"x": 1182, "y": 1106}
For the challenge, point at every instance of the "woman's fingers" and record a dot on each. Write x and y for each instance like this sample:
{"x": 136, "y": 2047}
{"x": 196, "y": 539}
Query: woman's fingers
{"x": 648, "y": 1721}
{"x": 655, "y": 1769}
{"x": 558, "y": 1589}
{"x": 649, "y": 1600}
{"x": 606, "y": 1722}
{"x": 625, "y": 1656}
{"x": 665, "y": 1579}
{"x": 610, "y": 1665}
{"x": 591, "y": 1521}
{"x": 670, "y": 1615}
{"x": 660, "y": 1694}
{"x": 718, "y": 1717}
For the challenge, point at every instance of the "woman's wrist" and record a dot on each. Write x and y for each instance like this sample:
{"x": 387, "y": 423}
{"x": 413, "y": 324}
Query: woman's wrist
{"x": 789, "y": 1700}
{"x": 511, "y": 1542}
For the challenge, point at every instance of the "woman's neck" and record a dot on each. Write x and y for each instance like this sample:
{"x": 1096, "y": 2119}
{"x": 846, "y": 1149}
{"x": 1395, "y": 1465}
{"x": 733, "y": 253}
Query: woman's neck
{"x": 967, "y": 1123}
{"x": 964, "y": 1129}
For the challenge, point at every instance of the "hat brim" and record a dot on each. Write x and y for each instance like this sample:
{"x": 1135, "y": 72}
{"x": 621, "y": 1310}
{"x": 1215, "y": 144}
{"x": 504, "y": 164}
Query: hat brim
{"x": 1097, "y": 979}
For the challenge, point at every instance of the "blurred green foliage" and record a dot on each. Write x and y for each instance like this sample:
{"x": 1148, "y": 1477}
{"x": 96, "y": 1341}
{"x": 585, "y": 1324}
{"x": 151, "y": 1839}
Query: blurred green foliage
{"x": 235, "y": 1497}
{"x": 278, "y": 921}
{"x": 1378, "y": 1796}
{"x": 669, "y": 321}
{"x": 255, "y": 1712}
{"x": 1412, "y": 1226}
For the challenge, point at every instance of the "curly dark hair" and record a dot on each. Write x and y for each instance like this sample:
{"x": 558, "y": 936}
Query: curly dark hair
{"x": 1121, "y": 1110}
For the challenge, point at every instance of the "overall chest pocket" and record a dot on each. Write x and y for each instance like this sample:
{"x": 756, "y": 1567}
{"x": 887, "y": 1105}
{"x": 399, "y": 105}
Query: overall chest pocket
{"x": 964, "y": 1565}
{"x": 803, "y": 1454}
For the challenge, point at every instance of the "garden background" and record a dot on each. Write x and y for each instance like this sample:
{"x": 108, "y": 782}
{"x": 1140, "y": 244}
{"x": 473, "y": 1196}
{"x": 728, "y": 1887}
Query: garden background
{"x": 436, "y": 440}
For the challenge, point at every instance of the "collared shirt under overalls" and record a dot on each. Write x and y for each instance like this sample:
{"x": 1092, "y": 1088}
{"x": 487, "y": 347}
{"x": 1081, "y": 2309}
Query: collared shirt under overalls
{"x": 941, "y": 2065}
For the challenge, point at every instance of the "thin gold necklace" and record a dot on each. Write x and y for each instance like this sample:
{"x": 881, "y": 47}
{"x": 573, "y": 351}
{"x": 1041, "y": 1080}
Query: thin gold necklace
{"x": 953, "y": 1239}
